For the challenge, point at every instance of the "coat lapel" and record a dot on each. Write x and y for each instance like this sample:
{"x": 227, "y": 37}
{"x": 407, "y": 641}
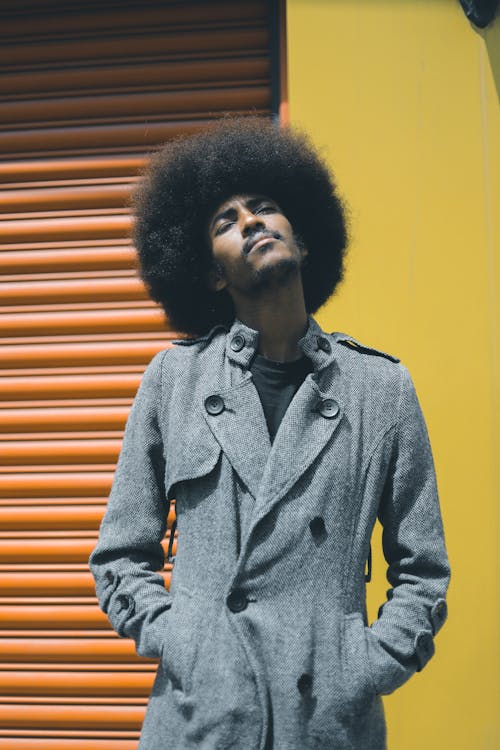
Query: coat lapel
{"x": 239, "y": 426}
{"x": 241, "y": 430}
{"x": 303, "y": 434}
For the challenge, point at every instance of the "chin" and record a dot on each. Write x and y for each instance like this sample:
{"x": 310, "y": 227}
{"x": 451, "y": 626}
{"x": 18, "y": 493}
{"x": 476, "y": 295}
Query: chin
{"x": 273, "y": 273}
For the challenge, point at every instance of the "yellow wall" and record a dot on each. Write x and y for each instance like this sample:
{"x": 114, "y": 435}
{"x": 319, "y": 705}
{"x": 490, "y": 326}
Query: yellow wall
{"x": 403, "y": 96}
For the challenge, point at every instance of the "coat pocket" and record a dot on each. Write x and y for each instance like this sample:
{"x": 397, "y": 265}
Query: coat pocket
{"x": 180, "y": 646}
{"x": 358, "y": 682}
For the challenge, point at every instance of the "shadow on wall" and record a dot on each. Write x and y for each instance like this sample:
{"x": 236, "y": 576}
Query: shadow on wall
{"x": 491, "y": 36}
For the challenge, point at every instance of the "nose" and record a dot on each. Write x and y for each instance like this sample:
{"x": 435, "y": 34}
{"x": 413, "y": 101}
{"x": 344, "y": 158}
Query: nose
{"x": 249, "y": 222}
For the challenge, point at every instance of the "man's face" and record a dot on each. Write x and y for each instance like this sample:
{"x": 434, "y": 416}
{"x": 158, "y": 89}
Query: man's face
{"x": 253, "y": 244}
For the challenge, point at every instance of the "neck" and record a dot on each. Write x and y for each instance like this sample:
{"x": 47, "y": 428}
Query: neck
{"x": 281, "y": 321}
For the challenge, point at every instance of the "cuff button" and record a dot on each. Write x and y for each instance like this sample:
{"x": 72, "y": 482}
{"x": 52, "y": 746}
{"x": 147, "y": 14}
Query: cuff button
{"x": 439, "y": 613}
{"x": 124, "y": 601}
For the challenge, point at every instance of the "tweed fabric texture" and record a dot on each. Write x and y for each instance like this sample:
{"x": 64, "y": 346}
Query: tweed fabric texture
{"x": 263, "y": 640}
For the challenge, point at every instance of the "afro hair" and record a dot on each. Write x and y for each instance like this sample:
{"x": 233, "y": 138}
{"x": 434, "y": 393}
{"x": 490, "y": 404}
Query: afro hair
{"x": 189, "y": 177}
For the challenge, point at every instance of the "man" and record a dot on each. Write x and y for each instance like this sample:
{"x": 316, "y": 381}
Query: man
{"x": 281, "y": 445}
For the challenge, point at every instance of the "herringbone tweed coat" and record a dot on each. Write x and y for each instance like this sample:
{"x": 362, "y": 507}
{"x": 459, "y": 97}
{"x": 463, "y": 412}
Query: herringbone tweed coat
{"x": 263, "y": 640}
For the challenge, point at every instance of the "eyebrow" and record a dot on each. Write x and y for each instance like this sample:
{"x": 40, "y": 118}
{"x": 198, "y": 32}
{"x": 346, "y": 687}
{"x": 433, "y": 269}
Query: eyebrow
{"x": 227, "y": 214}
{"x": 231, "y": 212}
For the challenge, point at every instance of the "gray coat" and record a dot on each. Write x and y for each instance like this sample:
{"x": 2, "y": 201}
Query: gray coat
{"x": 263, "y": 639}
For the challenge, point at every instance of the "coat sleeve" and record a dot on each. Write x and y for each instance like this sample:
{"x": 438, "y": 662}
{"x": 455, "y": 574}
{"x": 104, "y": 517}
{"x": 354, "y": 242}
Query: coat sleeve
{"x": 129, "y": 550}
{"x": 401, "y": 640}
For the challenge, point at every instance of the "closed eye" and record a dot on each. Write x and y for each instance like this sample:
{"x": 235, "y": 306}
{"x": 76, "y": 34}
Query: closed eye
{"x": 222, "y": 227}
{"x": 266, "y": 208}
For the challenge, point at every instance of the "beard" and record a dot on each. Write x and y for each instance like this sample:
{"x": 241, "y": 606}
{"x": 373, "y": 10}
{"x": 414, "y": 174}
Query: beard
{"x": 272, "y": 275}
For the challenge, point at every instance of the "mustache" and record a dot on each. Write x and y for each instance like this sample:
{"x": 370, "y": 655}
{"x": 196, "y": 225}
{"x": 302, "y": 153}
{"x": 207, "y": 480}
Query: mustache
{"x": 256, "y": 237}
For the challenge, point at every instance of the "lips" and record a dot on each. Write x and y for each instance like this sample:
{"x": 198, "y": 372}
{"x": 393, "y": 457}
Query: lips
{"x": 264, "y": 241}
{"x": 258, "y": 240}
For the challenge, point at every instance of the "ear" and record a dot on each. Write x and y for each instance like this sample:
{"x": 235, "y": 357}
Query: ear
{"x": 215, "y": 280}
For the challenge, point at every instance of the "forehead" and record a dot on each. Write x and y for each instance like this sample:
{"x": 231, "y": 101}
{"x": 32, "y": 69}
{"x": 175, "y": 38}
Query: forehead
{"x": 244, "y": 199}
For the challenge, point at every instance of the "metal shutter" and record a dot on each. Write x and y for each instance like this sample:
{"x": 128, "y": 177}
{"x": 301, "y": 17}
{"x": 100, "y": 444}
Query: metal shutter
{"x": 87, "y": 89}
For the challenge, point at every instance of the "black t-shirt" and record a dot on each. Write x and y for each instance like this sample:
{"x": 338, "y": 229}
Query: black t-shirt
{"x": 277, "y": 383}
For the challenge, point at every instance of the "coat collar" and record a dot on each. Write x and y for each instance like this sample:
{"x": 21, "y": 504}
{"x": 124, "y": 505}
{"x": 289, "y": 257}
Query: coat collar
{"x": 242, "y": 344}
{"x": 238, "y": 423}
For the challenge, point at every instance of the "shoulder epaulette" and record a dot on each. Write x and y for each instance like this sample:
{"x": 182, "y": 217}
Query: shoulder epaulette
{"x": 353, "y": 344}
{"x": 200, "y": 339}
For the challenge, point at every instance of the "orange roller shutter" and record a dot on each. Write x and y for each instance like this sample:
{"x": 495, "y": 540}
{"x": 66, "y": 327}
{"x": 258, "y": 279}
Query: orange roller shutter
{"x": 87, "y": 90}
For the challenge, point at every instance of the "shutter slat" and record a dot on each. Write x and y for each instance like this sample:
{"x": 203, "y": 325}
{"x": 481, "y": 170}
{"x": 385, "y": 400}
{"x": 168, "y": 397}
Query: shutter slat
{"x": 73, "y": 682}
{"x": 53, "y": 616}
{"x": 86, "y": 517}
{"x": 63, "y": 740}
{"x": 23, "y": 743}
{"x": 69, "y": 387}
{"x": 63, "y": 451}
{"x": 71, "y": 717}
{"x": 110, "y": 138}
{"x": 184, "y": 73}
{"x": 110, "y": 196}
{"x": 44, "y": 260}
{"x": 108, "y": 352}
{"x": 51, "y": 550}
{"x": 48, "y": 484}
{"x": 57, "y": 650}
{"x": 196, "y": 13}
{"x": 48, "y": 585}
{"x": 53, "y": 323}
{"x": 24, "y": 170}
{"x": 163, "y": 44}
{"x": 133, "y": 106}
{"x": 71, "y": 228}
{"x": 50, "y": 517}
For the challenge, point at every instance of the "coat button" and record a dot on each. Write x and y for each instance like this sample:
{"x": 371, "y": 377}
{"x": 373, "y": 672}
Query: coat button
{"x": 317, "y": 526}
{"x": 324, "y": 344}
{"x": 304, "y": 683}
{"x": 214, "y": 404}
{"x": 237, "y": 601}
{"x": 237, "y": 342}
{"x": 329, "y": 408}
{"x": 125, "y": 602}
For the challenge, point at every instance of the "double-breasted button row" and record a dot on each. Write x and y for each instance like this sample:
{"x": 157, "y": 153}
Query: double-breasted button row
{"x": 237, "y": 600}
{"x": 327, "y": 407}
